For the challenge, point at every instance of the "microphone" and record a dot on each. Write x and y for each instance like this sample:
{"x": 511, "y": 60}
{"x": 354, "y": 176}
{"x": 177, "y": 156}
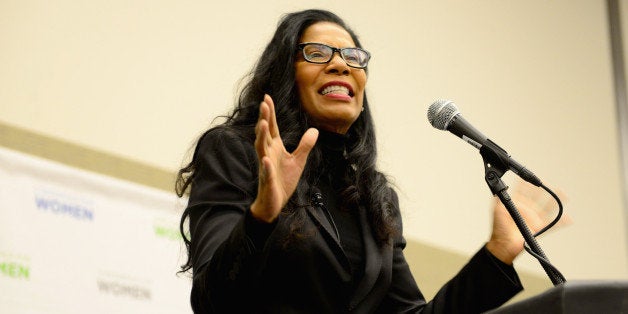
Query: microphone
{"x": 317, "y": 200}
{"x": 444, "y": 115}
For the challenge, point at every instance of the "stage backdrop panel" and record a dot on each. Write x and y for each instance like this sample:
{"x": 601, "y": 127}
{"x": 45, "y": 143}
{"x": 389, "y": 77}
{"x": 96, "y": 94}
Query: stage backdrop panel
{"x": 72, "y": 241}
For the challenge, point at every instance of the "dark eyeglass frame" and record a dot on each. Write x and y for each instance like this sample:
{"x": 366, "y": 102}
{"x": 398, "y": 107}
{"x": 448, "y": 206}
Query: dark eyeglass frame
{"x": 341, "y": 52}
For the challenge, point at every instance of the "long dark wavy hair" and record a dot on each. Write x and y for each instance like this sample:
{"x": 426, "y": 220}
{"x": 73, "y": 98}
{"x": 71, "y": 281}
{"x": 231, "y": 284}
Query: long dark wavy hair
{"x": 274, "y": 74}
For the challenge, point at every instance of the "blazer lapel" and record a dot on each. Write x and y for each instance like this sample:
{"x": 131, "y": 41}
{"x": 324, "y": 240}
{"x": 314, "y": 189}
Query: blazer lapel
{"x": 373, "y": 264}
{"x": 319, "y": 218}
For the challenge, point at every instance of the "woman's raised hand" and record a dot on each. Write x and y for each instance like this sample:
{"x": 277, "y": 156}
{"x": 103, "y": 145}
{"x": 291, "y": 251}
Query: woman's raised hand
{"x": 537, "y": 209}
{"x": 279, "y": 170}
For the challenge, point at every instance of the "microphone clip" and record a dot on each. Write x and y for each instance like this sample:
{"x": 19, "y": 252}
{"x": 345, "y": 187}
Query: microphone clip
{"x": 494, "y": 167}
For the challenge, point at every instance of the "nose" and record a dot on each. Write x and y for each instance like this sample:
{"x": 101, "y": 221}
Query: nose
{"x": 337, "y": 65}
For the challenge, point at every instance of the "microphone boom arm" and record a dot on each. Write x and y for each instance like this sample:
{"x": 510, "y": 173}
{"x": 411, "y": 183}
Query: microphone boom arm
{"x": 494, "y": 168}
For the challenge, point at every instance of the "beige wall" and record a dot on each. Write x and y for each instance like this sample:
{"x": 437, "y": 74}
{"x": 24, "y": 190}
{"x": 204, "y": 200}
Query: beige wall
{"x": 140, "y": 80}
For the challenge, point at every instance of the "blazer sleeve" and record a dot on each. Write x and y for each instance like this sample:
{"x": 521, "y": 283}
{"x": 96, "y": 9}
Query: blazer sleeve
{"x": 225, "y": 239}
{"x": 482, "y": 284}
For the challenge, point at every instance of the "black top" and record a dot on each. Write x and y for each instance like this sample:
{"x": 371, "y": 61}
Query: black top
{"x": 298, "y": 264}
{"x": 332, "y": 184}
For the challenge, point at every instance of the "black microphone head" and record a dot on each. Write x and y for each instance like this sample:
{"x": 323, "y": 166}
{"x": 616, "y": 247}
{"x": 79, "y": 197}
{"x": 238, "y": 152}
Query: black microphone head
{"x": 441, "y": 113}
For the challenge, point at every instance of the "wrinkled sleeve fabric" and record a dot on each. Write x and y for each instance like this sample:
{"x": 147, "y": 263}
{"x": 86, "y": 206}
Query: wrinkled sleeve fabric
{"x": 225, "y": 239}
{"x": 482, "y": 284}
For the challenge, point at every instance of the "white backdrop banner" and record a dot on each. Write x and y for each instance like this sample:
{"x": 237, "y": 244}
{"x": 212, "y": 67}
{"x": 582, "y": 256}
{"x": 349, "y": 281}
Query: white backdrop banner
{"x": 73, "y": 241}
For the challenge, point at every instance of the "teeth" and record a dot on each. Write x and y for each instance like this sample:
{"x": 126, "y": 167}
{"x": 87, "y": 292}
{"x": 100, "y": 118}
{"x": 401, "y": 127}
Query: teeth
{"x": 335, "y": 89}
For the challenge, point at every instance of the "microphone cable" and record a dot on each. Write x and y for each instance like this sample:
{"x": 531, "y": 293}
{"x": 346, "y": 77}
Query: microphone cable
{"x": 540, "y": 258}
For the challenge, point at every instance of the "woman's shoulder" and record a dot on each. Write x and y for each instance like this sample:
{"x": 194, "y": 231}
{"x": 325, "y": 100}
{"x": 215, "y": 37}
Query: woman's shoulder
{"x": 225, "y": 136}
{"x": 224, "y": 143}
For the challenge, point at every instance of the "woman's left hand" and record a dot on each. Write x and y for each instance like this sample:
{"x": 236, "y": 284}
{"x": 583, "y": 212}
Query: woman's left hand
{"x": 537, "y": 209}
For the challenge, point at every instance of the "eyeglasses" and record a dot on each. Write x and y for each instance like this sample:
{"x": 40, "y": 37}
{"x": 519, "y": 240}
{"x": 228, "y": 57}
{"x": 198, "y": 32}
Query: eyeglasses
{"x": 321, "y": 53}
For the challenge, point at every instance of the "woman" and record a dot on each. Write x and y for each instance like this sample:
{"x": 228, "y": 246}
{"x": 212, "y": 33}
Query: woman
{"x": 287, "y": 211}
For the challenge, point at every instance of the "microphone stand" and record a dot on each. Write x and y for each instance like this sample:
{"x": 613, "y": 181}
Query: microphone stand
{"x": 494, "y": 169}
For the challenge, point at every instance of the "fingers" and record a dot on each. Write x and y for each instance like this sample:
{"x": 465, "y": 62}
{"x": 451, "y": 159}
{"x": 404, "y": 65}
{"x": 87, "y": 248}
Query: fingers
{"x": 266, "y": 128}
{"x": 263, "y": 133}
{"x": 539, "y": 195}
{"x": 272, "y": 118}
{"x": 537, "y": 205}
{"x": 262, "y": 137}
{"x": 305, "y": 145}
{"x": 268, "y": 144}
{"x": 266, "y": 139}
{"x": 529, "y": 210}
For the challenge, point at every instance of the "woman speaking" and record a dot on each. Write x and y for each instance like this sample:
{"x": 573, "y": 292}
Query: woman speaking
{"x": 287, "y": 211}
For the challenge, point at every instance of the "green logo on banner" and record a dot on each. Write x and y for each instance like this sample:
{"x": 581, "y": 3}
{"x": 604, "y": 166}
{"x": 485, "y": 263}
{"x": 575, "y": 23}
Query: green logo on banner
{"x": 167, "y": 232}
{"x": 15, "y": 270}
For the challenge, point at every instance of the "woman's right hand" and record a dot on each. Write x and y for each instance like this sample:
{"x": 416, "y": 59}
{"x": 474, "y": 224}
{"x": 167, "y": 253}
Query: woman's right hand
{"x": 279, "y": 170}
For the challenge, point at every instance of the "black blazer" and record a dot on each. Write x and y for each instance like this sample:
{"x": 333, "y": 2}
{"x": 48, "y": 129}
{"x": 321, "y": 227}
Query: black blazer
{"x": 243, "y": 266}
